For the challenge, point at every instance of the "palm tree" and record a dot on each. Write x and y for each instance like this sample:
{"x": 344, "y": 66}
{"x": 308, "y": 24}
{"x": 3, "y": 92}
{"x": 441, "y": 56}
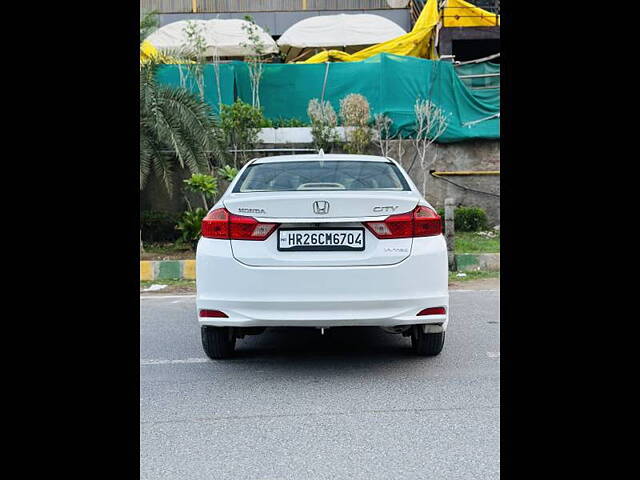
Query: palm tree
{"x": 148, "y": 23}
{"x": 175, "y": 125}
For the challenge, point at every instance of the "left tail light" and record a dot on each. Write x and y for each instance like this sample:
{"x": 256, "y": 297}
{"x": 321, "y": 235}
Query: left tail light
{"x": 220, "y": 223}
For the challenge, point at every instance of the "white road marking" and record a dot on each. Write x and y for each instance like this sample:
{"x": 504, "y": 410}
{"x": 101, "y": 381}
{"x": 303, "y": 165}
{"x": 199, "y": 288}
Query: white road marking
{"x": 462, "y": 290}
{"x": 493, "y": 354}
{"x": 153, "y": 361}
{"x": 166, "y": 296}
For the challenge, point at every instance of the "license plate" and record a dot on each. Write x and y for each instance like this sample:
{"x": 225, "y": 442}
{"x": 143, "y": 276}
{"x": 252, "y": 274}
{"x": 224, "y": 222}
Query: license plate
{"x": 328, "y": 239}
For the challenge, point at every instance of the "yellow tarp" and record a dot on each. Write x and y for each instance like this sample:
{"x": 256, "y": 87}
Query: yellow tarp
{"x": 148, "y": 51}
{"x": 419, "y": 42}
{"x": 459, "y": 13}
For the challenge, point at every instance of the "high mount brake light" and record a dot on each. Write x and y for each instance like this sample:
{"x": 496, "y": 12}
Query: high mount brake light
{"x": 220, "y": 223}
{"x": 421, "y": 222}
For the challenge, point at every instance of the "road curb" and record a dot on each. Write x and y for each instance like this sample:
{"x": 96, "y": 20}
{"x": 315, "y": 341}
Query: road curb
{"x": 167, "y": 270}
{"x": 186, "y": 269}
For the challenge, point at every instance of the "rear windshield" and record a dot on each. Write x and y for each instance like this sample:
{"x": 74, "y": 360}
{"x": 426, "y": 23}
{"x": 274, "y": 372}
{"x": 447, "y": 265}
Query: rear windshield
{"x": 321, "y": 175}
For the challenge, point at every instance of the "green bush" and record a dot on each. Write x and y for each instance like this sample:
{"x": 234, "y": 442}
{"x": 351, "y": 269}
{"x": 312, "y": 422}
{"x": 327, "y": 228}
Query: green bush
{"x": 240, "y": 125}
{"x": 288, "y": 123}
{"x": 323, "y": 124}
{"x": 468, "y": 219}
{"x": 158, "y": 227}
{"x": 227, "y": 173}
{"x": 189, "y": 224}
{"x": 203, "y": 184}
{"x": 355, "y": 113}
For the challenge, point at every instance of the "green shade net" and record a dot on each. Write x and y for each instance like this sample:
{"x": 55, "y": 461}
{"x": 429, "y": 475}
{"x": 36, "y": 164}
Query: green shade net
{"x": 185, "y": 76}
{"x": 391, "y": 84}
{"x": 484, "y": 88}
{"x": 481, "y": 68}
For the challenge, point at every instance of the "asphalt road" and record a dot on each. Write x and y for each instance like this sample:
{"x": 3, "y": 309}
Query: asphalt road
{"x": 354, "y": 404}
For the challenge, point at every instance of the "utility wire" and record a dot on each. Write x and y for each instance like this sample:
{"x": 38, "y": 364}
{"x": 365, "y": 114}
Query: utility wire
{"x": 462, "y": 186}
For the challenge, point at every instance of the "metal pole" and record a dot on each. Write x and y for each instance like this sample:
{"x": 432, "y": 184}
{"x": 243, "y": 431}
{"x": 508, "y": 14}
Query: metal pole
{"x": 449, "y": 232}
{"x": 324, "y": 84}
{"x": 479, "y": 75}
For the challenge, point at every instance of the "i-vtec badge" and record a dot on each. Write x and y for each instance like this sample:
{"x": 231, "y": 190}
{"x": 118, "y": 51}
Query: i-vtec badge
{"x": 251, "y": 210}
{"x": 387, "y": 209}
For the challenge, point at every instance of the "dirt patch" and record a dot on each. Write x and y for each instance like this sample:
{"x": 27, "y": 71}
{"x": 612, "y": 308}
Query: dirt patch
{"x": 478, "y": 284}
{"x": 172, "y": 290}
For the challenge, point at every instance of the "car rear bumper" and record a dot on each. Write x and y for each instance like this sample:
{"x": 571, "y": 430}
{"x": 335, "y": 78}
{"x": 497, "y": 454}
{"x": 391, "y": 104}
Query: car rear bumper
{"x": 386, "y": 295}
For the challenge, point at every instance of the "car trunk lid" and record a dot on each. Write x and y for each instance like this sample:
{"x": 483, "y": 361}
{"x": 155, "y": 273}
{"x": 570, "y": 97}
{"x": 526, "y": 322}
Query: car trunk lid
{"x": 324, "y": 211}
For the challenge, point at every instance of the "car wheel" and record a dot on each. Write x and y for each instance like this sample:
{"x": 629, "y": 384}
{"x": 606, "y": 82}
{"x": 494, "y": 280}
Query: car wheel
{"x": 218, "y": 342}
{"x": 426, "y": 344}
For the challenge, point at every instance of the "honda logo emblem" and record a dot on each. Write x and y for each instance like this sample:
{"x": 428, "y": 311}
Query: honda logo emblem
{"x": 321, "y": 207}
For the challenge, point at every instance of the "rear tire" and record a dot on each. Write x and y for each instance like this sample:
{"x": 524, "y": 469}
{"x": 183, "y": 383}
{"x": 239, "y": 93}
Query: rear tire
{"x": 218, "y": 342}
{"x": 426, "y": 344}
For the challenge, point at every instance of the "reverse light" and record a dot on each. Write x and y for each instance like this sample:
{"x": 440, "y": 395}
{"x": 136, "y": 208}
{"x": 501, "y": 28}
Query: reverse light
{"x": 212, "y": 314}
{"x": 432, "y": 311}
{"x": 220, "y": 223}
{"x": 421, "y": 222}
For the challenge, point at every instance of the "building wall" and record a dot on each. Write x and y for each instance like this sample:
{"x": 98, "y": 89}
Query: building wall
{"x": 448, "y": 35}
{"x": 217, "y": 6}
{"x": 277, "y": 22}
{"x": 474, "y": 155}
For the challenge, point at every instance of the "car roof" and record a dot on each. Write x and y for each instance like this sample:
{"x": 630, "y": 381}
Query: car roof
{"x": 325, "y": 157}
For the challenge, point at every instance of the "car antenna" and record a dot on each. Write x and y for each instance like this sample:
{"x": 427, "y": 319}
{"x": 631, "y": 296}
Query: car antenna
{"x": 321, "y": 155}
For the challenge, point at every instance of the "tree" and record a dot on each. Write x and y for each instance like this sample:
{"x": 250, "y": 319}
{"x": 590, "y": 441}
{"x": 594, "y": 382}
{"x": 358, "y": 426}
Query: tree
{"x": 148, "y": 23}
{"x": 194, "y": 48}
{"x": 431, "y": 123}
{"x": 254, "y": 62}
{"x": 176, "y": 127}
{"x": 204, "y": 185}
{"x": 239, "y": 127}
{"x": 355, "y": 113}
{"x": 323, "y": 124}
{"x": 383, "y": 137}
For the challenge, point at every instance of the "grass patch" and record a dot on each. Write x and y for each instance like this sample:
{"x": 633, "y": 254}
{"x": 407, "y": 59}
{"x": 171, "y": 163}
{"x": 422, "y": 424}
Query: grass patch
{"x": 476, "y": 242}
{"x": 167, "y": 251}
{"x": 472, "y": 276}
{"x": 466, "y": 242}
{"x": 171, "y": 283}
{"x": 181, "y": 286}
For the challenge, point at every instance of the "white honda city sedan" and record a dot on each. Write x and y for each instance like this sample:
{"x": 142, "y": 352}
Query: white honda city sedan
{"x": 322, "y": 241}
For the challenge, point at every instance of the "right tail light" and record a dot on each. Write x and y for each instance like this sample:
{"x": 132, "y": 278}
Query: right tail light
{"x": 421, "y": 222}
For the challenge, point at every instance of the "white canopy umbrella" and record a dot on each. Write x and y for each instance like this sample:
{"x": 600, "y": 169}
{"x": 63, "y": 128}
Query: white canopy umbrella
{"x": 224, "y": 37}
{"x": 345, "y": 32}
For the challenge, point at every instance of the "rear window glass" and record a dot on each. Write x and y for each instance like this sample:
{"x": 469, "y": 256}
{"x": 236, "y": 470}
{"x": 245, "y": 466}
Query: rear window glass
{"x": 321, "y": 175}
